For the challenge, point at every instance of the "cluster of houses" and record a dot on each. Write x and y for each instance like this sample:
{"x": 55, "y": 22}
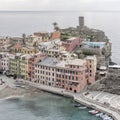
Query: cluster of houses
{"x": 44, "y": 59}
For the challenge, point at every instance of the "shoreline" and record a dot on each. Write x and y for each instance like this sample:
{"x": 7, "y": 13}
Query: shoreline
{"x": 12, "y": 97}
{"x": 78, "y": 97}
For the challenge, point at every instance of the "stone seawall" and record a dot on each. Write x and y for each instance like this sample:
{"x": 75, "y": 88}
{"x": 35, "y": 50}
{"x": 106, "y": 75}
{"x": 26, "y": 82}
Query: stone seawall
{"x": 79, "y": 98}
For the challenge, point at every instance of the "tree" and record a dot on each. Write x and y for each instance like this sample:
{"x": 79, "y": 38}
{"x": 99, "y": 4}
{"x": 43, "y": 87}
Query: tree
{"x": 56, "y": 28}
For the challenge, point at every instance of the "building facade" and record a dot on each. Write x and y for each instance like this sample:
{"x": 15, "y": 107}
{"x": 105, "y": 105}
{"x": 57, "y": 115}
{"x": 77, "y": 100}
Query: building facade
{"x": 71, "y": 75}
{"x": 46, "y": 71}
{"x": 14, "y": 66}
{"x": 24, "y": 67}
{"x": 38, "y": 57}
{"x": 4, "y": 59}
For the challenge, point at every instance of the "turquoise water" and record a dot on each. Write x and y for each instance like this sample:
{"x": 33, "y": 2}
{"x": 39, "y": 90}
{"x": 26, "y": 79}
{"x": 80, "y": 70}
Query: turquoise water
{"x": 42, "y": 107}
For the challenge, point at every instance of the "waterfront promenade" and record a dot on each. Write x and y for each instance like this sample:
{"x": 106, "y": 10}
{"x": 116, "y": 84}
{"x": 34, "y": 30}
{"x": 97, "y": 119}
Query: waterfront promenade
{"x": 81, "y": 98}
{"x": 3, "y": 86}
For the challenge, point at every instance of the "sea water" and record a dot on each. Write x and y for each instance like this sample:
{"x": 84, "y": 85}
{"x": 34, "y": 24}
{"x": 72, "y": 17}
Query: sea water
{"x": 44, "y": 106}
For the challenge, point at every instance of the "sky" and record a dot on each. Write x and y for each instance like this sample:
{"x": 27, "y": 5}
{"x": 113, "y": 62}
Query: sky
{"x": 83, "y": 5}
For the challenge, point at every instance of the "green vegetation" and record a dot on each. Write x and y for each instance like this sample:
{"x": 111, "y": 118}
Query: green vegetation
{"x": 65, "y": 36}
{"x": 56, "y": 28}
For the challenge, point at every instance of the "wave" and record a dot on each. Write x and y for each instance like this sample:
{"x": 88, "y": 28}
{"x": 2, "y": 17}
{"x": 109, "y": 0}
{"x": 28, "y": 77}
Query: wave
{"x": 12, "y": 97}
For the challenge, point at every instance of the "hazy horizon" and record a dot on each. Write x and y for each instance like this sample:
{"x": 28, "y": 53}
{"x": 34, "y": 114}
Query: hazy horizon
{"x": 38, "y": 5}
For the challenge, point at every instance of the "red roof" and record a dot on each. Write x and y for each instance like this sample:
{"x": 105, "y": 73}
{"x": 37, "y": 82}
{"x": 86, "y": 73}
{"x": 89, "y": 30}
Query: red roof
{"x": 56, "y": 35}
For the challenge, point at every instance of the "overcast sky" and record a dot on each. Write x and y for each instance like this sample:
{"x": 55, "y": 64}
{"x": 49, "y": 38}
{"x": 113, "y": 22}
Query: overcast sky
{"x": 107, "y": 5}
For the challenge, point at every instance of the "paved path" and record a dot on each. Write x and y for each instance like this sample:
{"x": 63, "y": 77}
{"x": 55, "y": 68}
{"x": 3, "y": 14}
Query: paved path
{"x": 8, "y": 81}
{"x": 79, "y": 98}
{"x": 3, "y": 86}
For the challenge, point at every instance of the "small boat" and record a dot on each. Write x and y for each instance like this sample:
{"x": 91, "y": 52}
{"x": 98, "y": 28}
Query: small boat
{"x": 93, "y": 112}
{"x": 99, "y": 114}
{"x": 82, "y": 107}
{"x": 106, "y": 117}
{"x": 77, "y": 105}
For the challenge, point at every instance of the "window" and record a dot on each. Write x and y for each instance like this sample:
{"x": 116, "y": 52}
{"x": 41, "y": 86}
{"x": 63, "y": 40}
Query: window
{"x": 59, "y": 76}
{"x": 71, "y": 89}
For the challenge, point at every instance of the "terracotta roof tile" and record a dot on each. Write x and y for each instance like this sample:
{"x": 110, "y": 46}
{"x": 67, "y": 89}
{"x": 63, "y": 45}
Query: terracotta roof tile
{"x": 56, "y": 35}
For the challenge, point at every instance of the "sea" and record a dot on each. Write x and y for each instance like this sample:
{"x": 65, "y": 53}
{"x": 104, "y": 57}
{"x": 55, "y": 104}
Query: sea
{"x": 44, "y": 106}
{"x": 48, "y": 106}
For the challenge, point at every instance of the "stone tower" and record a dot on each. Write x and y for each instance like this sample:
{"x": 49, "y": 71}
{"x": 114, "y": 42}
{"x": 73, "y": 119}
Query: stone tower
{"x": 81, "y": 22}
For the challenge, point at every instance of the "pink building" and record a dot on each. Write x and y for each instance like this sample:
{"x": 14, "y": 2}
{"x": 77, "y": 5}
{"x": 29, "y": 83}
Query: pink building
{"x": 74, "y": 75}
{"x": 46, "y": 71}
{"x": 31, "y": 64}
{"x": 91, "y": 64}
{"x": 71, "y": 75}
{"x": 71, "y": 44}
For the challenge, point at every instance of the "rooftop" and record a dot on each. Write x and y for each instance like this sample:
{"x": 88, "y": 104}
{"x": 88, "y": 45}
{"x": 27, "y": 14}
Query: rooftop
{"x": 95, "y": 44}
{"x": 114, "y": 66}
{"x": 78, "y": 62}
{"x": 91, "y": 57}
{"x": 72, "y": 38}
{"x": 56, "y": 35}
{"x": 27, "y": 56}
{"x": 48, "y": 61}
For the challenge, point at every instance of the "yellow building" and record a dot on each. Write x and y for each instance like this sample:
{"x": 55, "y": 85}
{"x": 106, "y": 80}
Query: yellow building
{"x": 14, "y": 65}
{"x": 18, "y": 48}
{"x": 24, "y": 65}
{"x": 26, "y": 50}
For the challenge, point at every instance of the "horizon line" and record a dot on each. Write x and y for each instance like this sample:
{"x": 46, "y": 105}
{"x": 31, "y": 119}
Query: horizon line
{"x": 59, "y": 10}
